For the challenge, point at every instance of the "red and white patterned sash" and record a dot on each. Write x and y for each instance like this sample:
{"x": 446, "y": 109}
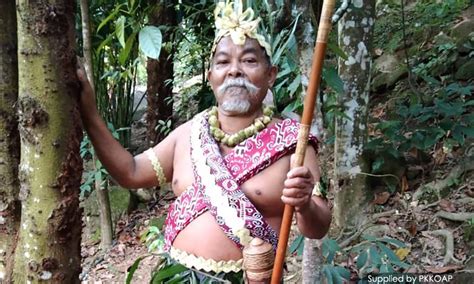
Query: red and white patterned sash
{"x": 217, "y": 180}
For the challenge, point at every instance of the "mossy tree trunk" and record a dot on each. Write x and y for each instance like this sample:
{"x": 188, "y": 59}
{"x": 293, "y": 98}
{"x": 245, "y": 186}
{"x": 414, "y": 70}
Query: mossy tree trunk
{"x": 160, "y": 73}
{"x": 9, "y": 139}
{"x": 50, "y": 168}
{"x": 355, "y": 38}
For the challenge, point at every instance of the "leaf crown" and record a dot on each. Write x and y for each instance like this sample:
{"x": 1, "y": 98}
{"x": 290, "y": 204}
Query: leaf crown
{"x": 231, "y": 20}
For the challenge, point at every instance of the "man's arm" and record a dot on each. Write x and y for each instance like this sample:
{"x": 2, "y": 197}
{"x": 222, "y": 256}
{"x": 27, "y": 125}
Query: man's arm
{"x": 128, "y": 171}
{"x": 313, "y": 215}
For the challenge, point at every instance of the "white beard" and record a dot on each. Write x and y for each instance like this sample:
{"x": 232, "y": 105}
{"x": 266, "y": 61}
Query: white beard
{"x": 238, "y": 106}
{"x": 235, "y": 102}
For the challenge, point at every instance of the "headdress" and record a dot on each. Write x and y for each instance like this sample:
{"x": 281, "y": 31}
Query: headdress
{"x": 231, "y": 21}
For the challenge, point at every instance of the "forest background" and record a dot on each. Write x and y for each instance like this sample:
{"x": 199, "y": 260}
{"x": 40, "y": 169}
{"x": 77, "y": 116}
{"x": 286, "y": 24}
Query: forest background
{"x": 394, "y": 116}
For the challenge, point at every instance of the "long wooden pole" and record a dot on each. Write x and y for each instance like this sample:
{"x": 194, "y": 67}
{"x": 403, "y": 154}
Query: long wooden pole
{"x": 309, "y": 103}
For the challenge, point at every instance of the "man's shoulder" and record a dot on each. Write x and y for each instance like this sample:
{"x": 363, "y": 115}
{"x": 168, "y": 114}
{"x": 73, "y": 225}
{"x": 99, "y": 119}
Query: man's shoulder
{"x": 185, "y": 128}
{"x": 182, "y": 129}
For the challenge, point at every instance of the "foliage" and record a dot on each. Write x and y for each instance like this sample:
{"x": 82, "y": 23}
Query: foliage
{"x": 422, "y": 122}
{"x": 153, "y": 239}
{"x": 373, "y": 256}
{"x": 284, "y": 55}
{"x": 427, "y": 18}
{"x": 436, "y": 59}
{"x": 431, "y": 109}
{"x": 469, "y": 230}
{"x": 194, "y": 35}
{"x": 331, "y": 271}
{"x": 120, "y": 31}
{"x": 98, "y": 172}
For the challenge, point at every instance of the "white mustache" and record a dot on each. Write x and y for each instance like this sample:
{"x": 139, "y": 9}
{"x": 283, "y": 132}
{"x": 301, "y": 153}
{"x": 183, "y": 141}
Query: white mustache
{"x": 237, "y": 82}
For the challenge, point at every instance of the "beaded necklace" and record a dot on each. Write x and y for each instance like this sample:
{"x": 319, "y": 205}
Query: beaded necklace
{"x": 233, "y": 139}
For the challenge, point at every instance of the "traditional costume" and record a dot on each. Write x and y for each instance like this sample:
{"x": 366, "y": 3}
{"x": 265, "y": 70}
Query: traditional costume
{"x": 218, "y": 179}
{"x": 216, "y": 188}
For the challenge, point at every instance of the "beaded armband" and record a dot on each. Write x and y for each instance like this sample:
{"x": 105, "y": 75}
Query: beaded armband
{"x": 160, "y": 175}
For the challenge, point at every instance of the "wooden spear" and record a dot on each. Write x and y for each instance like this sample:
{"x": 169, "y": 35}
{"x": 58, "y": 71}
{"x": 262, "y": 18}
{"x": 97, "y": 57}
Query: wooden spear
{"x": 309, "y": 103}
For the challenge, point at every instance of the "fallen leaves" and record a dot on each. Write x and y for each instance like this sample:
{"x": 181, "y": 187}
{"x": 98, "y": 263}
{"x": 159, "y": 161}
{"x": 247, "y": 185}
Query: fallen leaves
{"x": 446, "y": 205}
{"x": 443, "y": 269}
{"x": 402, "y": 253}
{"x": 380, "y": 198}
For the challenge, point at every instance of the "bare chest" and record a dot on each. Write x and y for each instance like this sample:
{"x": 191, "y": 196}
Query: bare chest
{"x": 263, "y": 190}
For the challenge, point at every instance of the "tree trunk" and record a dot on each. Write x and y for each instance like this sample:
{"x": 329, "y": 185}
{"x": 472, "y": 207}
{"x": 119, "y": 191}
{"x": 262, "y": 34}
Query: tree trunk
{"x": 9, "y": 139}
{"x": 306, "y": 38}
{"x": 160, "y": 74}
{"x": 86, "y": 42}
{"x": 49, "y": 123}
{"x": 355, "y": 39}
{"x": 106, "y": 229}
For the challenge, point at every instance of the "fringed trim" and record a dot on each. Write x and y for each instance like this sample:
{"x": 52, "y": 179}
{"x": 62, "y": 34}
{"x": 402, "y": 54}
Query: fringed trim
{"x": 208, "y": 265}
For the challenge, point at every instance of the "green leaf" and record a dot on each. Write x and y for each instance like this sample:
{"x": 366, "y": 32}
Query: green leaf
{"x": 150, "y": 39}
{"x": 374, "y": 255}
{"x": 343, "y": 272}
{"x": 337, "y": 50}
{"x": 280, "y": 85}
{"x": 282, "y": 48}
{"x": 389, "y": 124}
{"x": 105, "y": 42}
{"x": 395, "y": 242}
{"x": 327, "y": 272}
{"x": 333, "y": 79}
{"x": 431, "y": 80}
{"x": 294, "y": 85}
{"x": 292, "y": 107}
{"x": 330, "y": 247}
{"x": 377, "y": 164}
{"x": 369, "y": 238}
{"x": 432, "y": 137}
{"x": 124, "y": 54}
{"x": 336, "y": 277}
{"x": 180, "y": 279}
{"x": 297, "y": 244}
{"x": 98, "y": 164}
{"x": 98, "y": 176}
{"x": 362, "y": 259}
{"x": 120, "y": 30}
{"x": 284, "y": 72}
{"x": 458, "y": 134}
{"x": 131, "y": 4}
{"x": 168, "y": 272}
{"x": 131, "y": 270}
{"x": 446, "y": 124}
{"x": 110, "y": 16}
{"x": 384, "y": 268}
{"x": 392, "y": 256}
{"x": 468, "y": 131}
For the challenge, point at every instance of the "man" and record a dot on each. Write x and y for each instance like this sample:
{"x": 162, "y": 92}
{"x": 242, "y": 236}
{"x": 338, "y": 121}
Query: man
{"x": 230, "y": 166}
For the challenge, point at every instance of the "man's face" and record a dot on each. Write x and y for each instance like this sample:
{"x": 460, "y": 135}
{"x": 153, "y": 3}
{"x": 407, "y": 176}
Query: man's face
{"x": 240, "y": 75}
